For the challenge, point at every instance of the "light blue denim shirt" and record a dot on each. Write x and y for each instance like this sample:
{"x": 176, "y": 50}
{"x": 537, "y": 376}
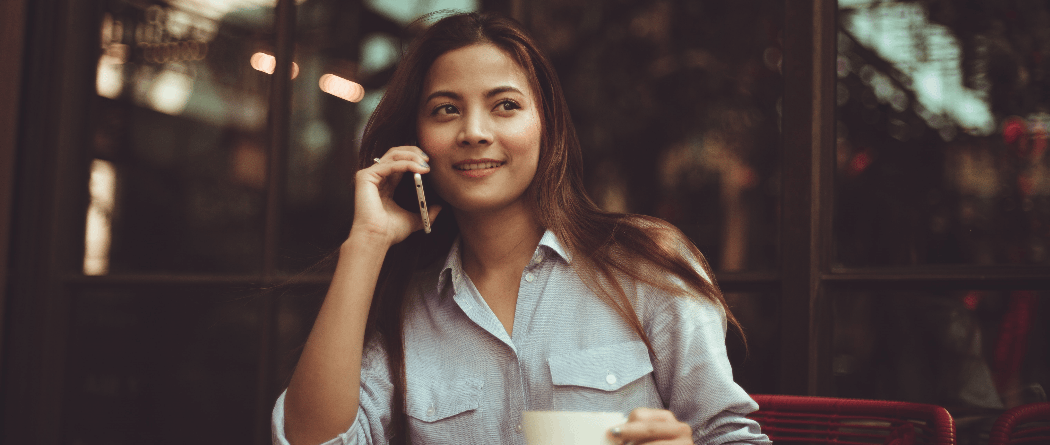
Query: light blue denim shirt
{"x": 469, "y": 381}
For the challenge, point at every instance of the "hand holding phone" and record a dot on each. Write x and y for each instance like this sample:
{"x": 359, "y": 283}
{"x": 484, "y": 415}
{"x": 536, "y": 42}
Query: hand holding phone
{"x": 422, "y": 199}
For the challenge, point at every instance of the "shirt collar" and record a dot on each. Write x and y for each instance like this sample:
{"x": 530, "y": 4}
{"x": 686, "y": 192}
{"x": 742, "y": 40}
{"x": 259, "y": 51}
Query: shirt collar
{"x": 550, "y": 241}
{"x": 453, "y": 268}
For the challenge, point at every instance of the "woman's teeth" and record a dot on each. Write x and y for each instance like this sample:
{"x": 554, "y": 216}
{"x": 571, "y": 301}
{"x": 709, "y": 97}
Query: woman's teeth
{"x": 478, "y": 166}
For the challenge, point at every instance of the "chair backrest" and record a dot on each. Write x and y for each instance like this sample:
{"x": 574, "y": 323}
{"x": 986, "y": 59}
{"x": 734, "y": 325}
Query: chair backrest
{"x": 820, "y": 420}
{"x": 1025, "y": 424}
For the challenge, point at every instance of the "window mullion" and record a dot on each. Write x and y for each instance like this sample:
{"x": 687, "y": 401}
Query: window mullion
{"x": 279, "y": 137}
{"x": 807, "y": 136}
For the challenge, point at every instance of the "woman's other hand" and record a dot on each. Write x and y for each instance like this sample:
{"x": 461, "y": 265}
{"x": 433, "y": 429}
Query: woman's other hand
{"x": 375, "y": 212}
{"x": 652, "y": 426}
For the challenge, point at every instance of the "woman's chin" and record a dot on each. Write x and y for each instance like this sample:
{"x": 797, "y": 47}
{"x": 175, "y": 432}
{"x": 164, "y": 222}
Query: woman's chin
{"x": 485, "y": 205}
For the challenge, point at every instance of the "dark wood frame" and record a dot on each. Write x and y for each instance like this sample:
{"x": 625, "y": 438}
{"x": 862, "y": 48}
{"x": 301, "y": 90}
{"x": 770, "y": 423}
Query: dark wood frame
{"x": 12, "y": 28}
{"x": 43, "y": 119}
{"x": 51, "y": 122}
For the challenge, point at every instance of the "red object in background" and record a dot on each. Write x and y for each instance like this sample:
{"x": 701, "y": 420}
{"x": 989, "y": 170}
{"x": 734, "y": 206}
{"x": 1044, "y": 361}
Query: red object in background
{"x": 1012, "y": 343}
{"x": 1025, "y": 139}
{"x": 1025, "y": 424}
{"x": 1015, "y": 135}
{"x": 830, "y": 420}
{"x": 859, "y": 162}
{"x": 972, "y": 299}
{"x": 1014, "y": 129}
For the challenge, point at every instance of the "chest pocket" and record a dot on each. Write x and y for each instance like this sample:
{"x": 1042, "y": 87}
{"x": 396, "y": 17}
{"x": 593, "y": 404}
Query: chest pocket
{"x": 435, "y": 401}
{"x": 605, "y": 378}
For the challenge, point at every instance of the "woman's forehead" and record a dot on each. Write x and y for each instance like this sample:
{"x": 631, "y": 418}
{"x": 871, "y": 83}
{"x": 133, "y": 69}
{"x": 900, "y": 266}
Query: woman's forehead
{"x": 475, "y": 69}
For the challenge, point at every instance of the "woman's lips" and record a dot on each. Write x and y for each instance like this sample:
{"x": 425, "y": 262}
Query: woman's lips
{"x": 476, "y": 168}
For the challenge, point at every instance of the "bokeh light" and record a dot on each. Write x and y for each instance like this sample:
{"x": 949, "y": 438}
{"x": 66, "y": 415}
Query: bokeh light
{"x": 267, "y": 64}
{"x": 98, "y": 235}
{"x": 342, "y": 88}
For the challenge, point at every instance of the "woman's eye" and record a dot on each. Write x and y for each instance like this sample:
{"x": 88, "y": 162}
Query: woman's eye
{"x": 508, "y": 105}
{"x": 445, "y": 109}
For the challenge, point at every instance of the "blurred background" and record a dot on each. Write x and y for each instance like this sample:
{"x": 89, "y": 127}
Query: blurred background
{"x": 869, "y": 180}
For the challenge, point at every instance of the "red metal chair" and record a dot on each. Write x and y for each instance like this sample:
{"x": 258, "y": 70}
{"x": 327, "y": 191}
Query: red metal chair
{"x": 1025, "y": 424}
{"x": 828, "y": 420}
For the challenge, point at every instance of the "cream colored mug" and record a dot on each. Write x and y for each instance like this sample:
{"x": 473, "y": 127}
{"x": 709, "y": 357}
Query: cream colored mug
{"x": 569, "y": 427}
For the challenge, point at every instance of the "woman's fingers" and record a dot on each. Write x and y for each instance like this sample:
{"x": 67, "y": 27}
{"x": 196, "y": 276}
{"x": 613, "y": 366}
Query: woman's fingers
{"x": 404, "y": 153}
{"x": 375, "y": 209}
{"x": 656, "y": 426}
{"x": 396, "y": 162}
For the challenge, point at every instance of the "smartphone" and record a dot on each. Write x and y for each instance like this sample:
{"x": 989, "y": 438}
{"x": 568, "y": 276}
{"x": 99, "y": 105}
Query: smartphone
{"x": 422, "y": 199}
{"x": 404, "y": 196}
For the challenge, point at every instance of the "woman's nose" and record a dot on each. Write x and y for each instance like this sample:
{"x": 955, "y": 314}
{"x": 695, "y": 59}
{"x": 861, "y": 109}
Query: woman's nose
{"x": 475, "y": 131}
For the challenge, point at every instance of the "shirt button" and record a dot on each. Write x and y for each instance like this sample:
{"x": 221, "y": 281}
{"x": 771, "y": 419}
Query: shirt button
{"x": 431, "y": 411}
{"x": 611, "y": 379}
{"x": 518, "y": 428}
{"x": 530, "y": 277}
{"x": 537, "y": 260}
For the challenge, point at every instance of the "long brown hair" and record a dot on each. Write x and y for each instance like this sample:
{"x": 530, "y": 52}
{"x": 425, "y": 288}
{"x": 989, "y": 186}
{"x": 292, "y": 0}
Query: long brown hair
{"x": 605, "y": 246}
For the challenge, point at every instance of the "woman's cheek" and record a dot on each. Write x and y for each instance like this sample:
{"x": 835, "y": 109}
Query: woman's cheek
{"x": 524, "y": 134}
{"x": 432, "y": 139}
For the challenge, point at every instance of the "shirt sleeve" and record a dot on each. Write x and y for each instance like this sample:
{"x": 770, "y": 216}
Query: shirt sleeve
{"x": 373, "y": 413}
{"x": 693, "y": 373}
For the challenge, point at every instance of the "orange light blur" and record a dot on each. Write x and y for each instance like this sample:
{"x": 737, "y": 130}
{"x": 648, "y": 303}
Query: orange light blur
{"x": 267, "y": 64}
{"x": 342, "y": 88}
{"x": 98, "y": 233}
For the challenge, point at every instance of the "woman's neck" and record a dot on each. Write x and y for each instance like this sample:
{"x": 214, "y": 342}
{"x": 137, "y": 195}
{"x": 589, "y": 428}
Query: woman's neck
{"x": 498, "y": 242}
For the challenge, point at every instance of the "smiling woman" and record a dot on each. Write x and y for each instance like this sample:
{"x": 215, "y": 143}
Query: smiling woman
{"x": 481, "y": 127}
{"x": 526, "y": 296}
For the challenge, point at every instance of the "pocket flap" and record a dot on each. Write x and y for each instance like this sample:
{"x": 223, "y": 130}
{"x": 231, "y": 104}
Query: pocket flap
{"x": 607, "y": 368}
{"x": 440, "y": 401}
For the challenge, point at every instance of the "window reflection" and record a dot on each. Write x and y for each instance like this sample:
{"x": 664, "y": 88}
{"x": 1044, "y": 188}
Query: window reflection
{"x": 98, "y": 235}
{"x": 342, "y": 88}
{"x": 181, "y": 115}
{"x": 942, "y": 124}
{"x": 676, "y": 106}
{"x": 405, "y": 11}
{"x": 926, "y": 58}
{"x": 267, "y": 64}
{"x": 974, "y": 352}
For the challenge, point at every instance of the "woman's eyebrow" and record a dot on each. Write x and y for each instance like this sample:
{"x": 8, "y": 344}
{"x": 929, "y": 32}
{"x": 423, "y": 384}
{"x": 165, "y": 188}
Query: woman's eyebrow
{"x": 501, "y": 90}
{"x": 488, "y": 94}
{"x": 443, "y": 93}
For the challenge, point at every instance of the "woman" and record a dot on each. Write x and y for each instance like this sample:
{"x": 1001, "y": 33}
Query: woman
{"x": 526, "y": 296}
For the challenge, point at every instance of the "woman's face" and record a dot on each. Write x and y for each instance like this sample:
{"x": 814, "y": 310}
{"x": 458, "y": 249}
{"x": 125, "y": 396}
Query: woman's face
{"x": 480, "y": 124}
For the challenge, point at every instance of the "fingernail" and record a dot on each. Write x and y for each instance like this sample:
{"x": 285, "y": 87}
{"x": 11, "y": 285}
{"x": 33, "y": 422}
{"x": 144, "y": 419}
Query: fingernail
{"x": 424, "y": 164}
{"x": 616, "y": 431}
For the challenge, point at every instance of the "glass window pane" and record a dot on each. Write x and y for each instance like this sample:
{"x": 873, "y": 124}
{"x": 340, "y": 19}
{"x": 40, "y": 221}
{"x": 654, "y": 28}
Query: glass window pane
{"x": 973, "y": 352}
{"x": 755, "y": 367}
{"x": 180, "y": 133}
{"x": 161, "y": 366}
{"x": 942, "y": 133}
{"x": 676, "y": 106}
